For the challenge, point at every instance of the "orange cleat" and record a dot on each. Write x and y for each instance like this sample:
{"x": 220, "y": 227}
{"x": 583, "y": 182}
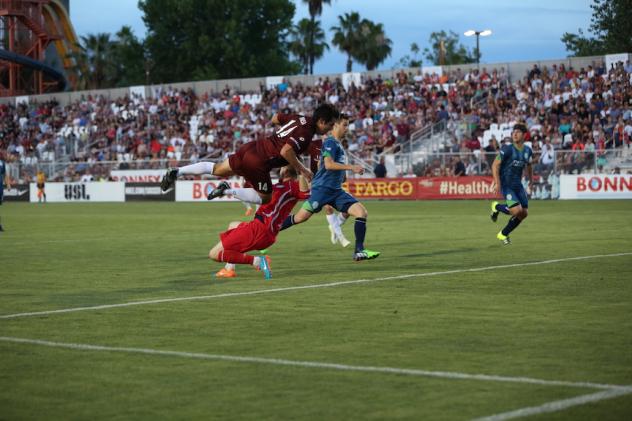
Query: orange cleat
{"x": 225, "y": 273}
{"x": 249, "y": 212}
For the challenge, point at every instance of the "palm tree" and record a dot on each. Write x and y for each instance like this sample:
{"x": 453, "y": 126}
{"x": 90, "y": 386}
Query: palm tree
{"x": 315, "y": 9}
{"x": 92, "y": 61}
{"x": 376, "y": 46}
{"x": 346, "y": 36}
{"x": 307, "y": 43}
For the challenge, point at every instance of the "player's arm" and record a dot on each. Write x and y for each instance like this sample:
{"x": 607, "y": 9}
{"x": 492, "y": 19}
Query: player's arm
{"x": 529, "y": 176}
{"x": 330, "y": 164}
{"x": 275, "y": 119}
{"x": 496, "y": 174}
{"x": 288, "y": 153}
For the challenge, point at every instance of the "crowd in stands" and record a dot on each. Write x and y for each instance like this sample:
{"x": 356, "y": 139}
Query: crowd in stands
{"x": 587, "y": 109}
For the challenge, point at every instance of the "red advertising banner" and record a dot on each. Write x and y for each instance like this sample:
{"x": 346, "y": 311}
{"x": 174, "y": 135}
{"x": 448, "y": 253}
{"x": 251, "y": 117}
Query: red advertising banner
{"x": 382, "y": 188}
{"x": 469, "y": 187}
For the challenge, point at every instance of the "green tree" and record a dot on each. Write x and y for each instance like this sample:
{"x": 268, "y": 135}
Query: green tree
{"x": 92, "y": 61}
{"x": 346, "y": 36}
{"x": 128, "y": 59}
{"x": 407, "y": 60}
{"x": 315, "y": 9}
{"x": 307, "y": 42}
{"x": 213, "y": 39}
{"x": 376, "y": 46}
{"x": 446, "y": 49}
{"x": 610, "y": 25}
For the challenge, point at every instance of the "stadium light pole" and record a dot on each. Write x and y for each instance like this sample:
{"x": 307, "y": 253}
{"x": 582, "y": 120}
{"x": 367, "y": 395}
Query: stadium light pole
{"x": 484, "y": 33}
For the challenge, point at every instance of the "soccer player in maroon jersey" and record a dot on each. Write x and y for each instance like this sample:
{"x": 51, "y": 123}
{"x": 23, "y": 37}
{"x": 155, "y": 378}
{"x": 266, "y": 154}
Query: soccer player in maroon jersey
{"x": 254, "y": 160}
{"x": 261, "y": 232}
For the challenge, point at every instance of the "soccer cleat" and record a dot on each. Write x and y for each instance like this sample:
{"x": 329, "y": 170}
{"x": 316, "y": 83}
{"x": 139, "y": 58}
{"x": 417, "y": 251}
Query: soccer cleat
{"x": 504, "y": 238}
{"x": 332, "y": 236}
{"x": 494, "y": 214}
{"x": 264, "y": 251}
{"x": 249, "y": 212}
{"x": 169, "y": 179}
{"x": 226, "y": 273}
{"x": 264, "y": 266}
{"x": 343, "y": 240}
{"x": 219, "y": 190}
{"x": 365, "y": 255}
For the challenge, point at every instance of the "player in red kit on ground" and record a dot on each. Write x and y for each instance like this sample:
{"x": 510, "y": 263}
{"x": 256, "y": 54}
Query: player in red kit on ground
{"x": 254, "y": 160}
{"x": 261, "y": 232}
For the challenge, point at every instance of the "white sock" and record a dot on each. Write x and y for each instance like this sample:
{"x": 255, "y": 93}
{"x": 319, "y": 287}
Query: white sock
{"x": 245, "y": 195}
{"x": 197, "y": 168}
{"x": 342, "y": 219}
{"x": 331, "y": 220}
{"x": 229, "y": 266}
{"x": 256, "y": 262}
{"x": 247, "y": 205}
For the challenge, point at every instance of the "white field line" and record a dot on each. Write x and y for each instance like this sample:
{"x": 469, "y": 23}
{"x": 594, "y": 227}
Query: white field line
{"x": 558, "y": 405}
{"x": 320, "y": 365}
{"x": 313, "y": 286}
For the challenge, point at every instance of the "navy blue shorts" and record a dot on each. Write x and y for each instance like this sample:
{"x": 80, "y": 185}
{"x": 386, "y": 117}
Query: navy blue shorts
{"x": 339, "y": 199}
{"x": 1, "y": 191}
{"x": 515, "y": 196}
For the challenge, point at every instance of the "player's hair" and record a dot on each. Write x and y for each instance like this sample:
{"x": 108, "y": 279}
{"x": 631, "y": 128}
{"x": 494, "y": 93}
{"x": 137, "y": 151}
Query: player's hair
{"x": 326, "y": 112}
{"x": 342, "y": 116}
{"x": 521, "y": 127}
{"x": 290, "y": 171}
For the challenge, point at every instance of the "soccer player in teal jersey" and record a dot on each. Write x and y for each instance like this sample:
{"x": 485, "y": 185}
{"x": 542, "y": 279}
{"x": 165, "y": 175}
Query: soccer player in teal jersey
{"x": 507, "y": 170}
{"x": 327, "y": 190}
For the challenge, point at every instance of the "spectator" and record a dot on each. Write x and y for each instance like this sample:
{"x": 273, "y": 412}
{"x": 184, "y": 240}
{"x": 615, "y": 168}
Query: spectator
{"x": 380, "y": 169}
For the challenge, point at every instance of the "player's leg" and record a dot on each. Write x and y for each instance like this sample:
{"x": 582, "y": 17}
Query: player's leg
{"x": 350, "y": 205}
{"x": 228, "y": 271}
{"x": 235, "y": 242}
{"x": 248, "y": 164}
{"x": 317, "y": 200}
{"x": 498, "y": 207}
{"x": 331, "y": 224}
{"x": 518, "y": 204}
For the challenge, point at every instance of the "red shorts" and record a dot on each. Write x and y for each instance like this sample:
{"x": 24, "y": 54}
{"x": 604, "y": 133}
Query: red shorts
{"x": 247, "y": 236}
{"x": 247, "y": 163}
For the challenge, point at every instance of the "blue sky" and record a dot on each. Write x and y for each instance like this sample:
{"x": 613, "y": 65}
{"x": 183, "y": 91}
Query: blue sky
{"x": 522, "y": 29}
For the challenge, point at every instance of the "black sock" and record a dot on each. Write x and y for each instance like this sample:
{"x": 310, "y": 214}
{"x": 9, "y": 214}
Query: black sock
{"x": 288, "y": 222}
{"x": 511, "y": 225}
{"x": 503, "y": 208}
{"x": 360, "y": 231}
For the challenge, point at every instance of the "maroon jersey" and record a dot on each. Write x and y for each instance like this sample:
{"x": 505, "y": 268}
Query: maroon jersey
{"x": 285, "y": 194}
{"x": 296, "y": 131}
{"x": 314, "y": 154}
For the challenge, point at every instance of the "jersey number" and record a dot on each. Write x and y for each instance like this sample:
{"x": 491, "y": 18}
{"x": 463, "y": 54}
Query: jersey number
{"x": 286, "y": 130}
{"x": 263, "y": 186}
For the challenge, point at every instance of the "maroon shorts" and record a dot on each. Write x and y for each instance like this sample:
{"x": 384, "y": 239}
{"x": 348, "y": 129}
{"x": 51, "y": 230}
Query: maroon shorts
{"x": 247, "y": 163}
{"x": 247, "y": 236}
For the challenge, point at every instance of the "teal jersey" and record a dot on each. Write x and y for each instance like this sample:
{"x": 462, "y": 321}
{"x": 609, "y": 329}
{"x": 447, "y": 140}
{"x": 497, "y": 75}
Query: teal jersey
{"x": 330, "y": 179}
{"x": 512, "y": 163}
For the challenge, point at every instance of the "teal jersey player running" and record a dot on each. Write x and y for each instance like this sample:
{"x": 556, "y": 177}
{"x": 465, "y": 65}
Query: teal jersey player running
{"x": 507, "y": 171}
{"x": 327, "y": 190}
{"x": 330, "y": 179}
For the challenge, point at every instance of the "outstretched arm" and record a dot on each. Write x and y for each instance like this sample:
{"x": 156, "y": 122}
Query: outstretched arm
{"x": 496, "y": 175}
{"x": 290, "y": 156}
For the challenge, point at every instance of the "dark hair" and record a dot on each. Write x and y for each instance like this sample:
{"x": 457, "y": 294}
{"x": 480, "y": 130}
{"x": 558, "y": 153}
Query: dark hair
{"x": 325, "y": 112}
{"x": 520, "y": 127}
{"x": 342, "y": 116}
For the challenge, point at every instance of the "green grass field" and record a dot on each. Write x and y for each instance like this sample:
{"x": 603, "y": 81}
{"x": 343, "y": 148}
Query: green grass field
{"x": 319, "y": 352}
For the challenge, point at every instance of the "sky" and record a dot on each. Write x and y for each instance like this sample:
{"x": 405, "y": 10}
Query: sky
{"x": 522, "y": 30}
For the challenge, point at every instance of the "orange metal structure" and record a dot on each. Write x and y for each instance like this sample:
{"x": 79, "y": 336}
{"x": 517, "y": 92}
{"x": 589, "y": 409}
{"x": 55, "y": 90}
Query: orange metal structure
{"x": 27, "y": 27}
